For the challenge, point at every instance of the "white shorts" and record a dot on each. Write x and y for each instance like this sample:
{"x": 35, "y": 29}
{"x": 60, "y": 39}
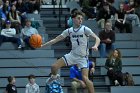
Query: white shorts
{"x": 72, "y": 59}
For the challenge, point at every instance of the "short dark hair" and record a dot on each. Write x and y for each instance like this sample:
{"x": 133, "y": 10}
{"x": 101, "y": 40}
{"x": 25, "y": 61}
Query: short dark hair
{"x": 28, "y": 20}
{"x": 78, "y": 12}
{"x": 10, "y": 78}
{"x": 31, "y": 76}
{"x": 73, "y": 10}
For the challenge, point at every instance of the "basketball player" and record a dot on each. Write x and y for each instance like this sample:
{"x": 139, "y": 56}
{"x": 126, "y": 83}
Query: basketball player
{"x": 79, "y": 35}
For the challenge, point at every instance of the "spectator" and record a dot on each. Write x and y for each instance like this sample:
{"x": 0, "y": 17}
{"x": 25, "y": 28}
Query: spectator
{"x": 11, "y": 87}
{"x": 27, "y": 31}
{"x": 88, "y": 9}
{"x": 8, "y": 35}
{"x": 53, "y": 86}
{"x": 14, "y": 18}
{"x": 20, "y": 6}
{"x": 107, "y": 37}
{"x": 114, "y": 66}
{"x": 121, "y": 22}
{"x": 33, "y": 6}
{"x": 6, "y": 7}
{"x": 91, "y": 66}
{"x": 104, "y": 15}
{"x": 130, "y": 10}
{"x": 5, "y": 10}
{"x": 137, "y": 8}
{"x": 32, "y": 87}
{"x": 76, "y": 76}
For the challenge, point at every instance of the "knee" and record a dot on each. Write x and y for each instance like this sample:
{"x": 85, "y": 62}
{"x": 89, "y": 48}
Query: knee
{"x": 102, "y": 20}
{"x": 74, "y": 85}
{"x": 54, "y": 67}
{"x": 86, "y": 79}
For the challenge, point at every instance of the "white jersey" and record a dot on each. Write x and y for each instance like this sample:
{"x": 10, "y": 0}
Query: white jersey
{"x": 79, "y": 38}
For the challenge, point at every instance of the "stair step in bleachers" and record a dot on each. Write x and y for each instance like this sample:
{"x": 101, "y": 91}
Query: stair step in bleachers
{"x": 135, "y": 78}
{"x": 25, "y": 71}
{"x": 130, "y": 69}
{"x": 125, "y": 53}
{"x": 35, "y": 16}
{"x": 26, "y": 53}
{"x": 125, "y": 89}
{"x": 125, "y": 61}
{"x": 28, "y": 62}
{"x": 11, "y": 46}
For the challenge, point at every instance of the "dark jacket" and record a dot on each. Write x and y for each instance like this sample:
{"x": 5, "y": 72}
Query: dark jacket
{"x": 116, "y": 65}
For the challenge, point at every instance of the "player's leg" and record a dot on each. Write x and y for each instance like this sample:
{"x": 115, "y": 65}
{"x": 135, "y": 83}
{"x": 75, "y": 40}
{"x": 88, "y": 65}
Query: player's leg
{"x": 56, "y": 66}
{"x": 89, "y": 84}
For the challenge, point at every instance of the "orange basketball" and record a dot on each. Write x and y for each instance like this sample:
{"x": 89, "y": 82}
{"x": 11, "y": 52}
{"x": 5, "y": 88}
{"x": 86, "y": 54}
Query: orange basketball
{"x": 35, "y": 41}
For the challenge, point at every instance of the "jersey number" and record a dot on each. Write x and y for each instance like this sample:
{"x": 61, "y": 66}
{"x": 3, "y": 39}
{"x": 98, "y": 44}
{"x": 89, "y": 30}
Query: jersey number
{"x": 77, "y": 42}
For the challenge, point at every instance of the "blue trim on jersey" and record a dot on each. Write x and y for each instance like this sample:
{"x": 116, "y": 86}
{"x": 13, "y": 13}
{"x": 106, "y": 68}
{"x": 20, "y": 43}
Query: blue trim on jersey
{"x": 69, "y": 32}
{"x": 65, "y": 60}
{"x": 87, "y": 48}
{"x": 78, "y": 29}
{"x": 85, "y": 31}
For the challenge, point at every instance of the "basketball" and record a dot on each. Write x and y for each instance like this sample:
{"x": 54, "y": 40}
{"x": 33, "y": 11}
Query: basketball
{"x": 35, "y": 41}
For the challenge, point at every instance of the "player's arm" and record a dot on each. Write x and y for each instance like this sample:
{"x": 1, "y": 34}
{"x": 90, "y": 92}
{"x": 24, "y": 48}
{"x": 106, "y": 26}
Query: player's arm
{"x": 97, "y": 41}
{"x": 89, "y": 32}
{"x": 53, "y": 41}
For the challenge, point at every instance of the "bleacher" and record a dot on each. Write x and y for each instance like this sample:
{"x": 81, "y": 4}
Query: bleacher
{"x": 38, "y": 62}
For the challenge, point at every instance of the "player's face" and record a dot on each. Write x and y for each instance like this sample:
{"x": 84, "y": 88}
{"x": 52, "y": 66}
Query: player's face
{"x": 78, "y": 20}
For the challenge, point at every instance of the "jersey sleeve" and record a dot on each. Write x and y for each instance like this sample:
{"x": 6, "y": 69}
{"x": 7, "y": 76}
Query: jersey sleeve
{"x": 65, "y": 33}
{"x": 88, "y": 31}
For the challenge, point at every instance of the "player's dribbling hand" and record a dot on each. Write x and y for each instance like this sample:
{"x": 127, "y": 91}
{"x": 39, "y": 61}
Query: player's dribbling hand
{"x": 42, "y": 45}
{"x": 95, "y": 48}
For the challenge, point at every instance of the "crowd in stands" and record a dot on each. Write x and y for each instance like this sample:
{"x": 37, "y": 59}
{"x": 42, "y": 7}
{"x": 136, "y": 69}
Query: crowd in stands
{"x": 14, "y": 20}
{"x": 127, "y": 13}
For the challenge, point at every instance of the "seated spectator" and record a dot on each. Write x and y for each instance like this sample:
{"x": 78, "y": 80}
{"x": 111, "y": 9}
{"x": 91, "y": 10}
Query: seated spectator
{"x": 91, "y": 66}
{"x": 33, "y": 7}
{"x": 88, "y": 9}
{"x": 14, "y": 18}
{"x": 104, "y": 15}
{"x": 76, "y": 75}
{"x": 5, "y": 10}
{"x": 27, "y": 31}
{"x": 121, "y": 23}
{"x": 8, "y": 35}
{"x": 107, "y": 37}
{"x": 20, "y": 6}
{"x": 114, "y": 67}
{"x": 137, "y": 8}
{"x": 11, "y": 87}
{"x": 53, "y": 86}
{"x": 130, "y": 10}
{"x": 2, "y": 15}
{"x": 32, "y": 87}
